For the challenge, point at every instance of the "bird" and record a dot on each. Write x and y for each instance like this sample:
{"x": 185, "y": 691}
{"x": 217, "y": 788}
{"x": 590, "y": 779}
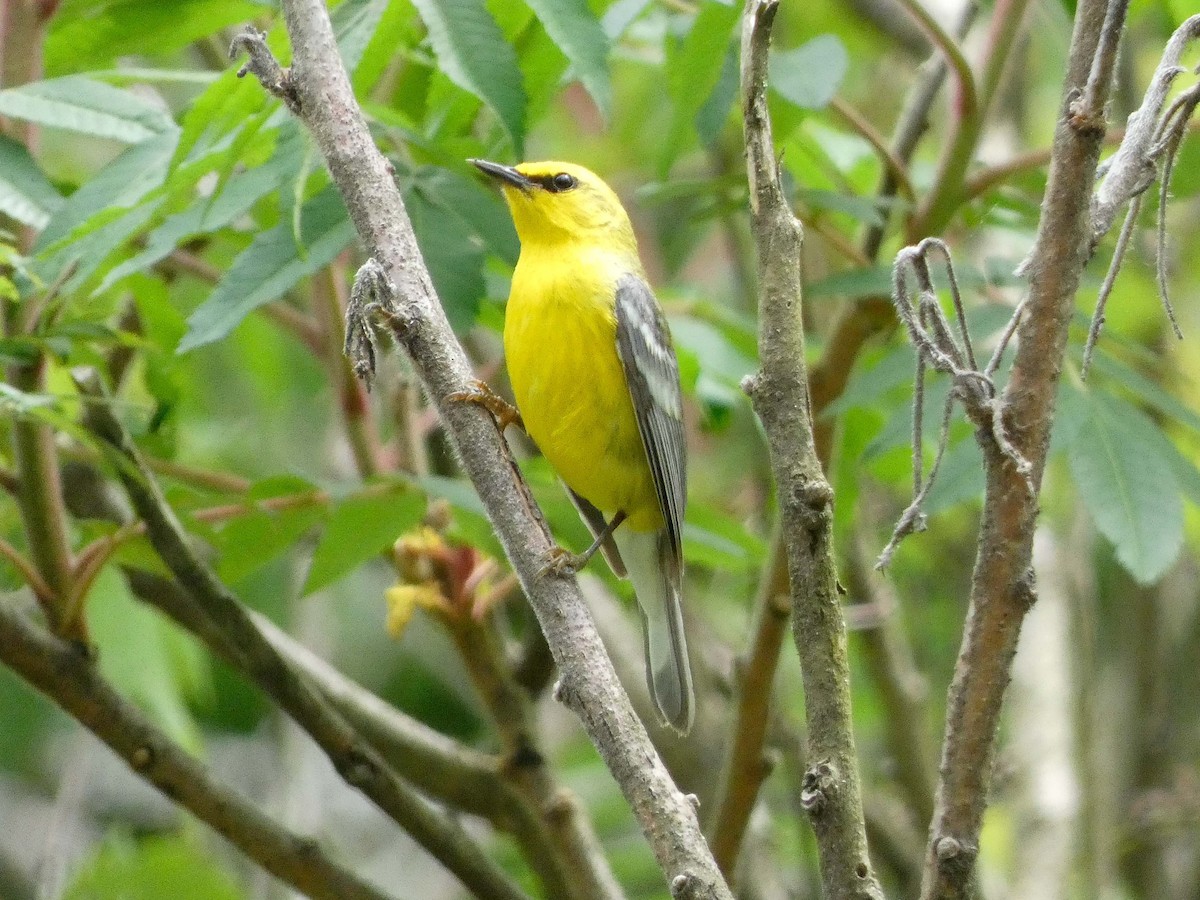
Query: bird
{"x": 596, "y": 383}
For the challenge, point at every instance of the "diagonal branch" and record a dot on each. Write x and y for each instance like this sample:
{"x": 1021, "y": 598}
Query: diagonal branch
{"x": 65, "y": 673}
{"x": 355, "y": 759}
{"x": 588, "y": 682}
{"x": 779, "y": 394}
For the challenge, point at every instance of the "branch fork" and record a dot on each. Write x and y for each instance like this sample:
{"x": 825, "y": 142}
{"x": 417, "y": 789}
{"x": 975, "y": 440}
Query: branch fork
{"x": 262, "y": 64}
{"x": 1152, "y": 137}
{"x": 938, "y": 348}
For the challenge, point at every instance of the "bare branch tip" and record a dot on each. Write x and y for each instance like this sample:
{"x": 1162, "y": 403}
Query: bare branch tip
{"x": 262, "y": 63}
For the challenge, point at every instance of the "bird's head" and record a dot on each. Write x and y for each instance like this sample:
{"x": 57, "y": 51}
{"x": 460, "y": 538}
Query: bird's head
{"x": 559, "y": 202}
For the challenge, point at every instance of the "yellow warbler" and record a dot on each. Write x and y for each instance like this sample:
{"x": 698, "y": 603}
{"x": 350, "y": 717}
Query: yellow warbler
{"x": 597, "y": 385}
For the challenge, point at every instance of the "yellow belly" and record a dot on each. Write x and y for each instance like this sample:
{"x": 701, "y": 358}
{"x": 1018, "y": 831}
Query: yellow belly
{"x": 560, "y": 341}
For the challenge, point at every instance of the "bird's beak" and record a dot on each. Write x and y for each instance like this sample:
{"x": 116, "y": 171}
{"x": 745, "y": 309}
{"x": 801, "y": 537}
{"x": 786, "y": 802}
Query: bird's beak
{"x": 505, "y": 174}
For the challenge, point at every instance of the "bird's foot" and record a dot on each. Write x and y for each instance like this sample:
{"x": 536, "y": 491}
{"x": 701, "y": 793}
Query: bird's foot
{"x": 480, "y": 393}
{"x": 561, "y": 561}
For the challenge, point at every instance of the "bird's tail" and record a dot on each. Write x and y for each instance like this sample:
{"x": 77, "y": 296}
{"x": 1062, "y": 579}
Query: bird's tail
{"x": 656, "y": 574}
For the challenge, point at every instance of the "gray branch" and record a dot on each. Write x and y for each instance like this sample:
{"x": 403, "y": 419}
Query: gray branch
{"x": 353, "y": 757}
{"x": 65, "y": 673}
{"x": 779, "y": 393}
{"x": 589, "y": 684}
{"x": 1002, "y": 583}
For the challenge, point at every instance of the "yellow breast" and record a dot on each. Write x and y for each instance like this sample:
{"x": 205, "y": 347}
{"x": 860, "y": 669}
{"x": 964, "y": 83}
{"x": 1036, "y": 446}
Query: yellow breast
{"x": 560, "y": 342}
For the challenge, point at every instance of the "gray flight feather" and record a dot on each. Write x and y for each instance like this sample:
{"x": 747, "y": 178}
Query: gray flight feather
{"x": 652, "y": 372}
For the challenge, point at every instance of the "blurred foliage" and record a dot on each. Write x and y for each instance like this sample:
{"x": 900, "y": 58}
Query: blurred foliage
{"x": 200, "y": 256}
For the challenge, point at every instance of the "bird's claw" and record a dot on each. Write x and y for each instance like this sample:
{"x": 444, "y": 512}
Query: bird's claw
{"x": 562, "y": 562}
{"x": 479, "y": 393}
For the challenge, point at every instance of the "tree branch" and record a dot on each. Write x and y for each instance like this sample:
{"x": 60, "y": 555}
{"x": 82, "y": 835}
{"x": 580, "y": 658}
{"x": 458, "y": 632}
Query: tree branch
{"x": 588, "y": 683}
{"x": 63, "y": 671}
{"x": 1002, "y": 585}
{"x": 355, "y": 760}
{"x": 779, "y": 394}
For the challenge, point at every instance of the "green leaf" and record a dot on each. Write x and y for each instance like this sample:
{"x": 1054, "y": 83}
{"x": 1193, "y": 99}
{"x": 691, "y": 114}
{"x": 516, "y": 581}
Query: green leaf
{"x": 174, "y": 866}
{"x": 362, "y": 527}
{"x": 354, "y": 24}
{"x": 205, "y": 215}
{"x": 472, "y": 52}
{"x": 869, "y": 282}
{"x": 1146, "y": 390}
{"x": 95, "y": 33}
{"x": 863, "y": 209}
{"x": 26, "y": 194}
{"x": 92, "y": 107}
{"x": 694, "y": 67}
{"x": 136, "y": 654}
{"x": 576, "y": 31}
{"x": 249, "y": 542}
{"x": 711, "y": 117}
{"x": 810, "y": 75}
{"x": 121, "y": 183}
{"x": 271, "y": 265}
{"x": 90, "y": 248}
{"x": 454, "y": 259}
{"x": 1127, "y": 483}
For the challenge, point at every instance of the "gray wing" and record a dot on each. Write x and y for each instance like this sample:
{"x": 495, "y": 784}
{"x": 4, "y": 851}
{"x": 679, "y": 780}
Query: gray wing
{"x": 652, "y": 372}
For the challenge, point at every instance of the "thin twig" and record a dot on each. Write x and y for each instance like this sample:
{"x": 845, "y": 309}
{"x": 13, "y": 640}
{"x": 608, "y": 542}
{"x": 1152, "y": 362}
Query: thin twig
{"x": 892, "y": 163}
{"x": 1110, "y": 279}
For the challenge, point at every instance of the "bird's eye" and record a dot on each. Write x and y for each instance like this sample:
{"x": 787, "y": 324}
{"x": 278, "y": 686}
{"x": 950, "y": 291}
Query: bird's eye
{"x": 563, "y": 182}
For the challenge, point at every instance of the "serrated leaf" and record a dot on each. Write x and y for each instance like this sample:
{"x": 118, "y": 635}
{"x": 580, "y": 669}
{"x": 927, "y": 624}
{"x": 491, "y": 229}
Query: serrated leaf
{"x": 95, "y": 34}
{"x": 362, "y": 527}
{"x": 271, "y": 265}
{"x": 90, "y": 248}
{"x": 481, "y": 209}
{"x": 26, "y": 194}
{"x": 810, "y": 75}
{"x": 91, "y": 107}
{"x": 205, "y": 215}
{"x": 1127, "y": 484}
{"x": 472, "y": 52}
{"x": 577, "y": 32}
{"x": 120, "y": 184}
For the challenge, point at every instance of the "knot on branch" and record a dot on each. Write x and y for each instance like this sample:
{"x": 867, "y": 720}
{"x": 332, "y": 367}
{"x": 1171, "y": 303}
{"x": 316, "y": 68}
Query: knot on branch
{"x": 356, "y": 768}
{"x": 819, "y": 787}
{"x": 683, "y": 886}
{"x": 262, "y": 63}
{"x": 372, "y": 297}
{"x": 953, "y": 854}
{"x": 939, "y": 348}
{"x": 1152, "y": 140}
